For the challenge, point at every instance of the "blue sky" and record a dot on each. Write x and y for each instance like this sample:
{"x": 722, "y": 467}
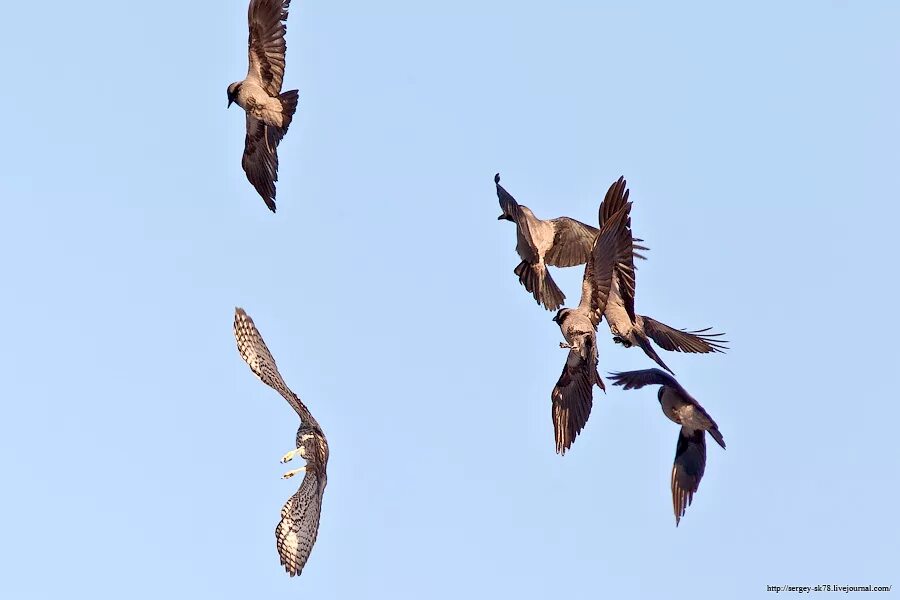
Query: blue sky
{"x": 140, "y": 456}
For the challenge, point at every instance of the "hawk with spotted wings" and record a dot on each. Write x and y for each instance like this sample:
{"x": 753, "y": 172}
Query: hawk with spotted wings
{"x": 269, "y": 112}
{"x": 296, "y": 533}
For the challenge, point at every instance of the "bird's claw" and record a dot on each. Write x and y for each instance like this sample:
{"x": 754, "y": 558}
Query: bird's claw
{"x": 290, "y": 474}
{"x": 289, "y": 456}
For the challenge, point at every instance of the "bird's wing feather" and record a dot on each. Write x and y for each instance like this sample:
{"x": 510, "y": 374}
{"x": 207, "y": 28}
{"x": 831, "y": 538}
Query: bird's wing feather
{"x": 634, "y": 380}
{"x": 260, "y": 160}
{"x": 600, "y": 268}
{"x": 508, "y": 204}
{"x": 617, "y": 197}
{"x": 510, "y": 207}
{"x": 572, "y": 242}
{"x": 679, "y": 340}
{"x": 267, "y": 47}
{"x": 626, "y": 280}
{"x": 573, "y": 396}
{"x": 253, "y": 350}
{"x": 687, "y": 471}
{"x": 298, "y": 528}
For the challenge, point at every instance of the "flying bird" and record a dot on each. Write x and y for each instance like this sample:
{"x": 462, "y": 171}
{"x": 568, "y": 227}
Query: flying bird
{"x": 572, "y": 397}
{"x": 296, "y": 532}
{"x": 560, "y": 242}
{"x": 681, "y": 408}
{"x": 629, "y": 328}
{"x": 269, "y": 112}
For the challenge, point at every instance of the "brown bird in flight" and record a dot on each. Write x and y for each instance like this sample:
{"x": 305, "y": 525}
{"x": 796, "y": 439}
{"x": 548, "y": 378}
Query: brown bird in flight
{"x": 681, "y": 408}
{"x": 269, "y": 111}
{"x": 572, "y": 397}
{"x": 631, "y": 329}
{"x": 560, "y": 242}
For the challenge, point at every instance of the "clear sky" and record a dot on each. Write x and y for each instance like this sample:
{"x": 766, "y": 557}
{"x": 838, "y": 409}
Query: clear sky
{"x": 140, "y": 455}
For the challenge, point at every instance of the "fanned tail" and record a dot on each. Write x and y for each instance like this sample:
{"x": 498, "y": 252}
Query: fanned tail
{"x": 538, "y": 281}
{"x": 289, "y": 102}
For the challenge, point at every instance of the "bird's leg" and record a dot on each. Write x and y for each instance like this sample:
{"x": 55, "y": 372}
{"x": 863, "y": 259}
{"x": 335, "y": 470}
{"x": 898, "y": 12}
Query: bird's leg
{"x": 290, "y": 474}
{"x": 290, "y": 455}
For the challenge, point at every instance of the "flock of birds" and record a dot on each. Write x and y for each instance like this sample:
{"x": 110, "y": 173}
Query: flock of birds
{"x": 608, "y": 287}
{"x": 607, "y": 292}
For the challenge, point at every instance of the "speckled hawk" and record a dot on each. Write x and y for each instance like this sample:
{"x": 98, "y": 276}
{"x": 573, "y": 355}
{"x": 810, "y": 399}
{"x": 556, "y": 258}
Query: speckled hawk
{"x": 296, "y": 532}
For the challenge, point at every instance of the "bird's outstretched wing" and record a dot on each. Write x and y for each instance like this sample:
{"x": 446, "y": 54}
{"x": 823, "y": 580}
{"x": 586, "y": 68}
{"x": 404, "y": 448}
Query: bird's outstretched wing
{"x": 572, "y": 242}
{"x": 510, "y": 207}
{"x": 260, "y": 160}
{"x": 573, "y": 396}
{"x": 253, "y": 350}
{"x": 617, "y": 197}
{"x": 601, "y": 264}
{"x": 679, "y": 340}
{"x": 267, "y": 47}
{"x": 296, "y": 533}
{"x": 687, "y": 471}
{"x": 635, "y": 380}
{"x": 508, "y": 204}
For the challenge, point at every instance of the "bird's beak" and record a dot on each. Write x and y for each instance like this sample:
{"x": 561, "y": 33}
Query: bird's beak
{"x": 555, "y": 319}
{"x": 229, "y": 103}
{"x": 501, "y": 217}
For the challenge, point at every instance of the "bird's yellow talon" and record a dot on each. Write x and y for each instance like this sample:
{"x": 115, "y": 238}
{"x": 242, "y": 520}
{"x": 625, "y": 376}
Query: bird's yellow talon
{"x": 290, "y": 474}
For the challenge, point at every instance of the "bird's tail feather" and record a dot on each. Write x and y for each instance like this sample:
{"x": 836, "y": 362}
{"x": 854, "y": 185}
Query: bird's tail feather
{"x": 537, "y": 280}
{"x": 289, "y": 102}
{"x": 648, "y": 349}
{"x": 717, "y": 435}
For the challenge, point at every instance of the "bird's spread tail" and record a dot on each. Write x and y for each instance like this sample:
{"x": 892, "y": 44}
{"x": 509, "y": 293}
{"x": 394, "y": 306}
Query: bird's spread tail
{"x": 537, "y": 280}
{"x": 289, "y": 102}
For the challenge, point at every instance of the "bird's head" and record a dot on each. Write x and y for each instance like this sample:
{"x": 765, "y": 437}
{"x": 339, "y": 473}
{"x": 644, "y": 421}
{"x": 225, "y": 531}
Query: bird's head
{"x": 561, "y": 316}
{"x": 233, "y": 92}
